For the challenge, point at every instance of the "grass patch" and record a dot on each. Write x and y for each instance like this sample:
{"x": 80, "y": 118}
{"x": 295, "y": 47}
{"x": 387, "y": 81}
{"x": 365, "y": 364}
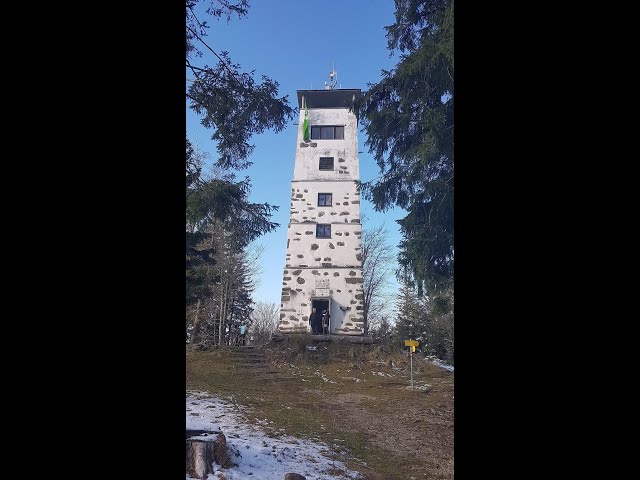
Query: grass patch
{"x": 339, "y": 396}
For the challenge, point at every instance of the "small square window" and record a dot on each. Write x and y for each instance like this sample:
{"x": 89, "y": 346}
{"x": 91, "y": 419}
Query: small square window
{"x": 324, "y": 199}
{"x": 339, "y": 133}
{"x": 323, "y": 231}
{"x": 326, "y": 163}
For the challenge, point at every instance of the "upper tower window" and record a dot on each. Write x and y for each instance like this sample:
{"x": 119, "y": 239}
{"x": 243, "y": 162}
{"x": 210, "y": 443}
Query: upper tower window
{"x": 326, "y": 163}
{"x": 327, "y": 132}
{"x": 323, "y": 231}
{"x": 324, "y": 200}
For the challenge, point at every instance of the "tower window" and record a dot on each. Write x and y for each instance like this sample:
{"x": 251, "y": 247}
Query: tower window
{"x": 326, "y": 163}
{"x": 328, "y": 132}
{"x": 323, "y": 231}
{"x": 324, "y": 199}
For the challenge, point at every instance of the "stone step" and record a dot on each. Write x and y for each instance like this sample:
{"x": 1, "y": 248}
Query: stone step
{"x": 272, "y": 380}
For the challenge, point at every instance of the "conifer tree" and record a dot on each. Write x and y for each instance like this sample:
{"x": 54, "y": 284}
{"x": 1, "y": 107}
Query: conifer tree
{"x": 408, "y": 118}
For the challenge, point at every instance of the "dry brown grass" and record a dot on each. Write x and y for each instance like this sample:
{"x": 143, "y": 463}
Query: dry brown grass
{"x": 353, "y": 397}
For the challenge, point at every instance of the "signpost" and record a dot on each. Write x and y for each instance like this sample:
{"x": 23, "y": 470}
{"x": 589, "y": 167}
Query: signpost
{"x": 412, "y": 344}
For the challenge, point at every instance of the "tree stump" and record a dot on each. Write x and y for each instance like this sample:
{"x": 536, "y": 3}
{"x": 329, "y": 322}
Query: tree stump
{"x": 203, "y": 449}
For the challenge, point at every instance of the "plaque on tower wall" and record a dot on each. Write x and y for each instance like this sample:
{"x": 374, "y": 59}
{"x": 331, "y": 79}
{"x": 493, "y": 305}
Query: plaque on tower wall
{"x": 322, "y": 292}
{"x": 322, "y": 283}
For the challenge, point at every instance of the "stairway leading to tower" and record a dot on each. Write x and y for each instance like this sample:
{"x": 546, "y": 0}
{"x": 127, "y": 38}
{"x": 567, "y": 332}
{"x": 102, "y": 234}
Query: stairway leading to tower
{"x": 251, "y": 363}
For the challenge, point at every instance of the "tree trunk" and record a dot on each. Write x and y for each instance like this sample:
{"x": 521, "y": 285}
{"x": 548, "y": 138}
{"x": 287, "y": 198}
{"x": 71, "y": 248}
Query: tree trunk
{"x": 221, "y": 329}
{"x": 202, "y": 452}
{"x": 196, "y": 324}
{"x": 365, "y": 319}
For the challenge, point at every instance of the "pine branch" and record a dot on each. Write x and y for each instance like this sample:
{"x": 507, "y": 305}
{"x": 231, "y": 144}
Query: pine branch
{"x": 212, "y": 51}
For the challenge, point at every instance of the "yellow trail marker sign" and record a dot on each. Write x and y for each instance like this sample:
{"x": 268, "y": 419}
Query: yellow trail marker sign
{"x": 413, "y": 344}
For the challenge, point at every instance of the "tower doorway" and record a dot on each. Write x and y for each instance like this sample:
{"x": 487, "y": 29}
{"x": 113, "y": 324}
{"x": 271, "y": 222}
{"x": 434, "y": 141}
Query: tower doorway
{"x": 322, "y": 305}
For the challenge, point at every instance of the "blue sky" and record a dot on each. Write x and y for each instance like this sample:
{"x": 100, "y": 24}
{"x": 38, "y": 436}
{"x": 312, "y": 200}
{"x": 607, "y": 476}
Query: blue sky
{"x": 296, "y": 43}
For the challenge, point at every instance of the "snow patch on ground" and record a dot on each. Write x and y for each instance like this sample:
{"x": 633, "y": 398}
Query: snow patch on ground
{"x": 422, "y": 387}
{"x": 323, "y": 377}
{"x": 260, "y": 457}
{"x": 439, "y": 363}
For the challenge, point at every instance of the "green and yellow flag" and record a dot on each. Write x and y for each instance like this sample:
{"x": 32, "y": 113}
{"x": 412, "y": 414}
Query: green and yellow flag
{"x": 305, "y": 123}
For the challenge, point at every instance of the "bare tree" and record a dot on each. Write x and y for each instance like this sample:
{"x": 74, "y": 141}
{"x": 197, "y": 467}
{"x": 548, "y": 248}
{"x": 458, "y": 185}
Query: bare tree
{"x": 264, "y": 321}
{"x": 377, "y": 270}
{"x": 254, "y": 253}
{"x": 237, "y": 280}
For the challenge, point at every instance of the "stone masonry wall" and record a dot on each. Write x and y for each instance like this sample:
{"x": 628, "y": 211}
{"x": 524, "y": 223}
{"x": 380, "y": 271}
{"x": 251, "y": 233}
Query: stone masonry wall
{"x": 298, "y": 288}
{"x": 345, "y": 152}
{"x": 315, "y": 266}
{"x": 345, "y": 206}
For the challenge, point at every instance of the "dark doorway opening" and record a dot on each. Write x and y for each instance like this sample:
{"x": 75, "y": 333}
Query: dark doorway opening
{"x": 321, "y": 307}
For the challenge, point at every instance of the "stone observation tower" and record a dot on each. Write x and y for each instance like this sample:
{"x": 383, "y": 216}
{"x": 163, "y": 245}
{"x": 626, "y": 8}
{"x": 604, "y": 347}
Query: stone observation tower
{"x": 323, "y": 266}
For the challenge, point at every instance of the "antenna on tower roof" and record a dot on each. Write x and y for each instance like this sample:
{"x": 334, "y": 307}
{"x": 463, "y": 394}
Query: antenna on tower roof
{"x": 333, "y": 79}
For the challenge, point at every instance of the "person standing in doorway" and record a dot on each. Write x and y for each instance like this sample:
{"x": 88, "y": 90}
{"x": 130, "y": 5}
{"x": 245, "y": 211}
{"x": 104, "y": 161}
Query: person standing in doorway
{"x": 315, "y": 320}
{"x": 325, "y": 322}
{"x": 243, "y": 333}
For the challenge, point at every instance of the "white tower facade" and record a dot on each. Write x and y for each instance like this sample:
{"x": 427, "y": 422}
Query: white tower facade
{"x": 323, "y": 266}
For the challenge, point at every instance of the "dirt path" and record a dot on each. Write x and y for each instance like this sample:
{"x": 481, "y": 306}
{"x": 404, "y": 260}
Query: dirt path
{"x": 408, "y": 430}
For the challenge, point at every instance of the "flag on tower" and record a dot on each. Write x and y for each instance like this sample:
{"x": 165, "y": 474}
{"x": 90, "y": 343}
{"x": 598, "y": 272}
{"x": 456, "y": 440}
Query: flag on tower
{"x": 305, "y": 123}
